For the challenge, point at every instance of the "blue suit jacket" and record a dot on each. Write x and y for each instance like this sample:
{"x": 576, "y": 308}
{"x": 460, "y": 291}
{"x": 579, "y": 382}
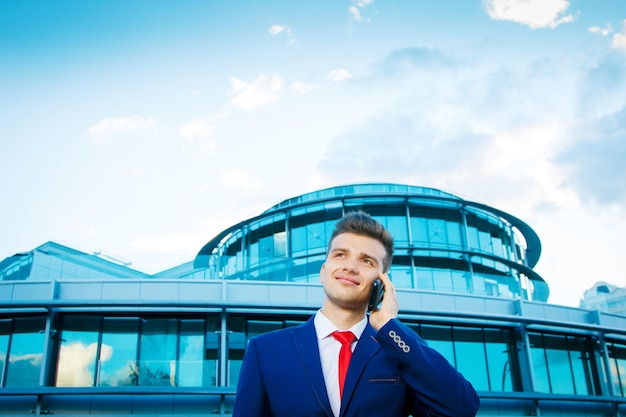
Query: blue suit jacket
{"x": 393, "y": 373}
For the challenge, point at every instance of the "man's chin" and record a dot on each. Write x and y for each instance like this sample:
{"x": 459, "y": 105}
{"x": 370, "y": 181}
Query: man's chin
{"x": 351, "y": 304}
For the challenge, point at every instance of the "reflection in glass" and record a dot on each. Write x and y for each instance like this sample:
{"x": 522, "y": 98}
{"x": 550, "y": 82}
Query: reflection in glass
{"x": 470, "y": 356}
{"x": 617, "y": 357}
{"x": 118, "y": 353}
{"x": 561, "y": 364}
{"x": 76, "y": 366}
{"x": 191, "y": 348}
{"x": 436, "y": 228}
{"x": 157, "y": 365}
{"x": 235, "y": 359}
{"x": 501, "y": 360}
{"x": 24, "y": 364}
{"x": 241, "y": 330}
{"x": 5, "y": 331}
{"x": 401, "y": 276}
{"x": 485, "y": 356}
{"x": 440, "y": 339}
{"x": 539, "y": 364}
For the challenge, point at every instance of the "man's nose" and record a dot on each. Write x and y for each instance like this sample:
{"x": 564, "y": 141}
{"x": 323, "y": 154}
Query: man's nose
{"x": 351, "y": 264}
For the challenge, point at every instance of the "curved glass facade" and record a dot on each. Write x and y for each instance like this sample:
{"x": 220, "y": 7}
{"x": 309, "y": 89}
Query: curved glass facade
{"x": 442, "y": 243}
{"x": 82, "y": 335}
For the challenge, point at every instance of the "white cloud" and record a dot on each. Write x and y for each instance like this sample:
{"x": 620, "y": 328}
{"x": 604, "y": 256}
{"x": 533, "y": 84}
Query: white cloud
{"x": 302, "y": 88}
{"x": 619, "y": 40}
{"x": 236, "y": 178}
{"x": 602, "y": 31}
{"x": 262, "y": 91}
{"x": 278, "y": 29}
{"x": 355, "y": 10}
{"x": 196, "y": 129}
{"x": 339, "y": 75}
{"x": 532, "y": 13}
{"x": 113, "y": 125}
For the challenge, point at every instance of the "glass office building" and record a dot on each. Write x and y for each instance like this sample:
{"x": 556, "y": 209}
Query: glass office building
{"x": 81, "y": 334}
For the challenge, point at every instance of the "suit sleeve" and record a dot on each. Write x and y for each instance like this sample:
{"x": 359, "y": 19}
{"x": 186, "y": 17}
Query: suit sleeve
{"x": 438, "y": 388}
{"x": 251, "y": 399}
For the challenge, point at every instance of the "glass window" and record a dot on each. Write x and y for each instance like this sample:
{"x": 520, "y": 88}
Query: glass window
{"x": 211, "y": 352}
{"x": 19, "y": 269}
{"x": 235, "y": 359}
{"x": 617, "y": 364}
{"x": 191, "y": 348}
{"x": 231, "y": 260}
{"x": 237, "y": 343}
{"x": 584, "y": 365}
{"x": 257, "y": 327}
{"x": 76, "y": 366}
{"x": 485, "y": 356}
{"x": 419, "y": 230}
{"x": 393, "y": 217}
{"x": 470, "y": 356}
{"x": 425, "y": 278}
{"x": 5, "y": 332}
{"x": 436, "y": 228}
{"x": 541, "y": 377}
{"x": 461, "y": 282}
{"x": 401, "y": 276}
{"x": 266, "y": 240}
{"x": 157, "y": 365}
{"x": 241, "y": 330}
{"x": 489, "y": 235}
{"x": 440, "y": 339}
{"x": 443, "y": 280}
{"x": 310, "y": 232}
{"x": 453, "y": 228}
{"x": 309, "y": 239}
{"x": 307, "y": 270}
{"x": 274, "y": 272}
{"x": 118, "y": 353}
{"x": 562, "y": 364}
{"x": 502, "y": 363}
{"x": 26, "y": 354}
{"x": 131, "y": 351}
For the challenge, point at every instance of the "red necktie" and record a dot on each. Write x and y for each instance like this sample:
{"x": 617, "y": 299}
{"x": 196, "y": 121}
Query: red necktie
{"x": 345, "y": 354}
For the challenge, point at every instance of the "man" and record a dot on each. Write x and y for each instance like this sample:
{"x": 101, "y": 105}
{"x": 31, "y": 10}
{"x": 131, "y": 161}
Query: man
{"x": 296, "y": 372}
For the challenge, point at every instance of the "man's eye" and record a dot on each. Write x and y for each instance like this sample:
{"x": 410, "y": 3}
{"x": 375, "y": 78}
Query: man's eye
{"x": 368, "y": 261}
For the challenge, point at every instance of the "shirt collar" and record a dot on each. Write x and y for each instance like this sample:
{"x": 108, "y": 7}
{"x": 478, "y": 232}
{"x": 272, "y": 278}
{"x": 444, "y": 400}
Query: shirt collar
{"x": 324, "y": 327}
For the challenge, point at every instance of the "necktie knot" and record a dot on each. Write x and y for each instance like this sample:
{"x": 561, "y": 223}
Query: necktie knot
{"x": 344, "y": 338}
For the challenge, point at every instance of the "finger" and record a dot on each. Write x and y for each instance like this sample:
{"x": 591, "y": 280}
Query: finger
{"x": 386, "y": 281}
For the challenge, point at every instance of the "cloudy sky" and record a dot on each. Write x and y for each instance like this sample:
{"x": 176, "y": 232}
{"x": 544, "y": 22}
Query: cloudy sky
{"x": 143, "y": 128}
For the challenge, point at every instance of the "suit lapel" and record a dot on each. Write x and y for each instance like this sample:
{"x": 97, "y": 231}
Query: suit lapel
{"x": 305, "y": 340}
{"x": 365, "y": 349}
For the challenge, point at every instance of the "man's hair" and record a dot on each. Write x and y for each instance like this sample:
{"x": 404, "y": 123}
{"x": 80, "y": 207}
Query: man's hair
{"x": 361, "y": 223}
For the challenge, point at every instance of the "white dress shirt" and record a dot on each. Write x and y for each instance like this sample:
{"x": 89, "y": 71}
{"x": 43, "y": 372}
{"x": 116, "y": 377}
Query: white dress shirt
{"x": 329, "y": 354}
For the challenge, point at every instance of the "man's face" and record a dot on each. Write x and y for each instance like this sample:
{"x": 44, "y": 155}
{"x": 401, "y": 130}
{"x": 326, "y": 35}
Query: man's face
{"x": 352, "y": 264}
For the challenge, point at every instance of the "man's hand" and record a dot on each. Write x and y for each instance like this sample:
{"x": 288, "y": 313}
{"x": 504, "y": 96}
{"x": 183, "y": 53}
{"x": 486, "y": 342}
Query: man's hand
{"x": 388, "y": 308}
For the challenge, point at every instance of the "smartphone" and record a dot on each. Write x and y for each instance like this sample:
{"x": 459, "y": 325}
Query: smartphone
{"x": 378, "y": 290}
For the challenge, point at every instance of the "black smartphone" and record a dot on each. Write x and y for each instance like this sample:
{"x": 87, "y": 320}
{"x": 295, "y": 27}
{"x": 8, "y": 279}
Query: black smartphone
{"x": 378, "y": 290}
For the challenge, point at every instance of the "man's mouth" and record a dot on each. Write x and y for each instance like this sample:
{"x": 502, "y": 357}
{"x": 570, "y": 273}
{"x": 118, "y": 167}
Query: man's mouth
{"x": 348, "y": 280}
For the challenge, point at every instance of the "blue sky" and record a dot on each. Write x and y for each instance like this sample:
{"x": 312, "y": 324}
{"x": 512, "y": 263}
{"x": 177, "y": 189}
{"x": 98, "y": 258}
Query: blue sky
{"x": 143, "y": 128}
